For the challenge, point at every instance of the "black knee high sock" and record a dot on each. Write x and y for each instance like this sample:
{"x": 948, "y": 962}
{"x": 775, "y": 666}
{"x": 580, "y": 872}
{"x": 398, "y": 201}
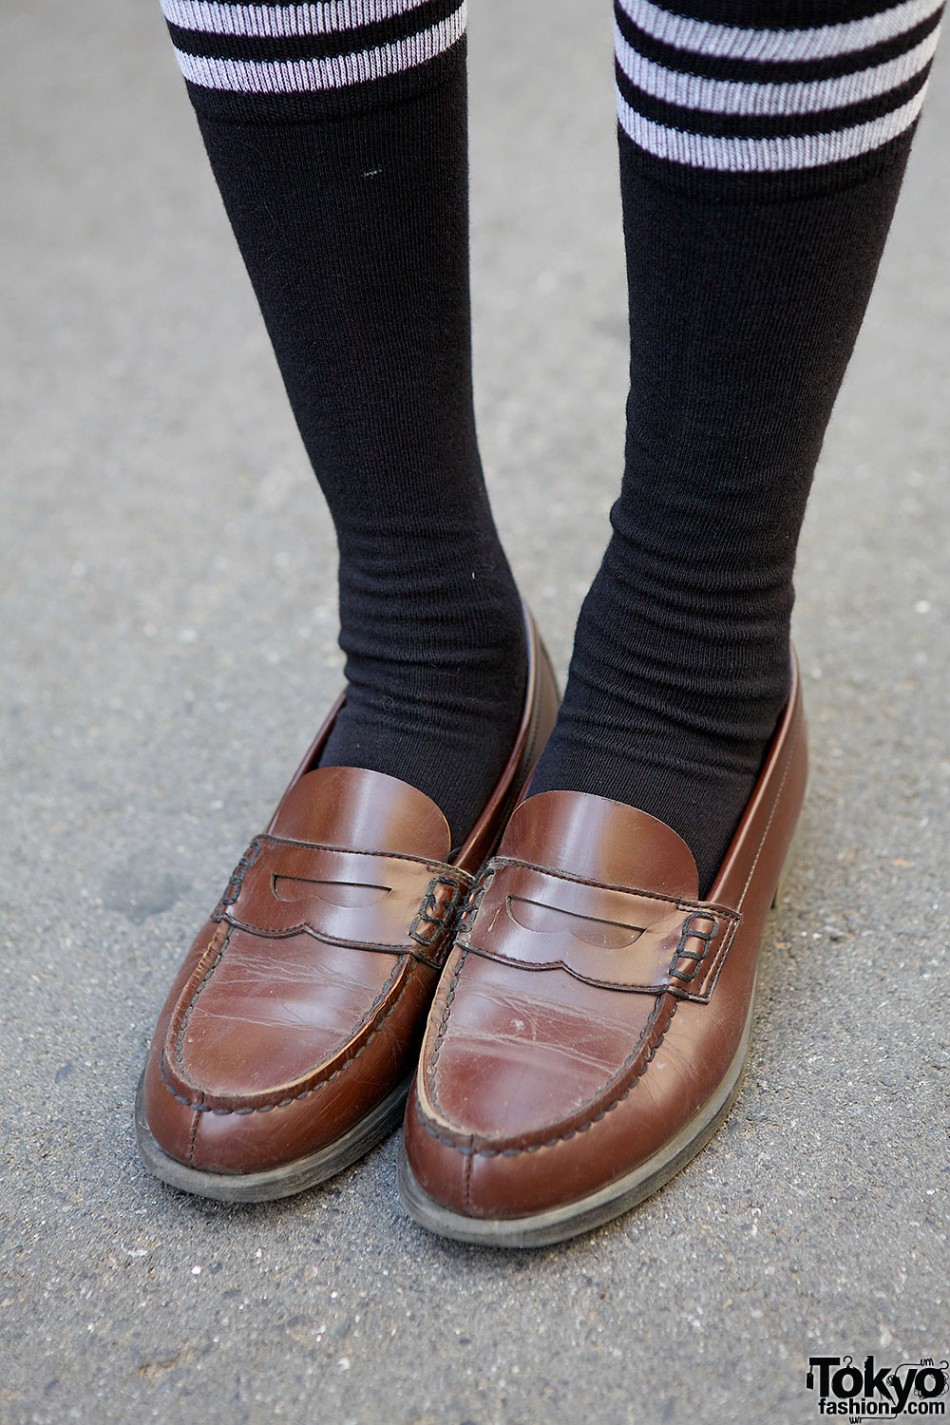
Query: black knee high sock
{"x": 337, "y": 134}
{"x": 759, "y": 170}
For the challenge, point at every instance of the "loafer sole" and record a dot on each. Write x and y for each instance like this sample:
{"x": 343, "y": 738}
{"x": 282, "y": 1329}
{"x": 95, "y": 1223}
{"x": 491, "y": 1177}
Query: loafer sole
{"x": 272, "y": 1183}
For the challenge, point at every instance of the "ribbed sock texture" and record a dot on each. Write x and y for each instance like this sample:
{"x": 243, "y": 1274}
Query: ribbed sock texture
{"x": 344, "y": 174}
{"x": 751, "y": 256}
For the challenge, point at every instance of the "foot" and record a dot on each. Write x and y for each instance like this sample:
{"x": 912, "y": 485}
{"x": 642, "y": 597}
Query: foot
{"x": 591, "y": 1025}
{"x": 288, "y": 1038}
{"x": 436, "y": 669}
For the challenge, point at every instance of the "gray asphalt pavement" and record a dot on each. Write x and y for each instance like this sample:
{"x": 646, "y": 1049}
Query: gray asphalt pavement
{"x": 168, "y": 645}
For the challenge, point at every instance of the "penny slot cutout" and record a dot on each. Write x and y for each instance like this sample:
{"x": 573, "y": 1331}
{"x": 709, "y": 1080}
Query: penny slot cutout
{"x": 550, "y": 919}
{"x": 349, "y": 895}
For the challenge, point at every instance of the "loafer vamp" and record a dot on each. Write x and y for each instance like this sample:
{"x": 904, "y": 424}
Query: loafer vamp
{"x": 274, "y": 1017}
{"x": 313, "y": 952}
{"x": 312, "y": 989}
{"x": 254, "y": 1100}
{"x": 519, "y": 1054}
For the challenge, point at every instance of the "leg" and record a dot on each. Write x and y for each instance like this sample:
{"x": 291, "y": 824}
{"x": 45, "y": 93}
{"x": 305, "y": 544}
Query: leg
{"x": 601, "y": 990}
{"x": 753, "y": 234}
{"x": 337, "y": 134}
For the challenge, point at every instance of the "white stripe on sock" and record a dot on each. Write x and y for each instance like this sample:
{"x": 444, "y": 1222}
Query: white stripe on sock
{"x": 281, "y": 21}
{"x": 299, "y": 76}
{"x": 821, "y": 42}
{"x": 722, "y": 96}
{"x": 772, "y": 155}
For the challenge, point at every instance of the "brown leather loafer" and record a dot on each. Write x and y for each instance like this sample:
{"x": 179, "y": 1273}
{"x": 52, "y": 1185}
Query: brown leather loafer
{"x": 287, "y": 1043}
{"x": 591, "y": 1025}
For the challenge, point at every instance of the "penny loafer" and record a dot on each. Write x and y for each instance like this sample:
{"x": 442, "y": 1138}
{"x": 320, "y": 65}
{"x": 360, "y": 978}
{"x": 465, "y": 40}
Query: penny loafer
{"x": 287, "y": 1042}
{"x": 592, "y": 1022}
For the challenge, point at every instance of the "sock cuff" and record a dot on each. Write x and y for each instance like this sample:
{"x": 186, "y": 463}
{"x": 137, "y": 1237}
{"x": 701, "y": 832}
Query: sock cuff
{"x": 306, "y": 60}
{"x": 804, "y": 101}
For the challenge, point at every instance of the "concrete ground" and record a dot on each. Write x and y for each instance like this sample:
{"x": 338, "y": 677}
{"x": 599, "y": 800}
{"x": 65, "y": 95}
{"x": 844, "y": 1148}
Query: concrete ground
{"x": 168, "y": 645}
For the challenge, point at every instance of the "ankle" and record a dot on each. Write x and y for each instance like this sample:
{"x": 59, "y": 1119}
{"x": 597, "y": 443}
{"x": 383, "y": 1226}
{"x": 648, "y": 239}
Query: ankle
{"x": 435, "y": 698}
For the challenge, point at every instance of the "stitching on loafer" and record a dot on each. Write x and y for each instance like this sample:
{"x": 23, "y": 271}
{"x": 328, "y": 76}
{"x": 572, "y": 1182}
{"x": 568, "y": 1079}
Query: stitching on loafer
{"x": 646, "y": 1047}
{"x": 316, "y": 1080}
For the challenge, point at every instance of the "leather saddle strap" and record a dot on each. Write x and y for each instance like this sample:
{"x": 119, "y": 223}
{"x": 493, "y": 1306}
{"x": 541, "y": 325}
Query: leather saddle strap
{"x": 620, "y": 938}
{"x": 371, "y": 900}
